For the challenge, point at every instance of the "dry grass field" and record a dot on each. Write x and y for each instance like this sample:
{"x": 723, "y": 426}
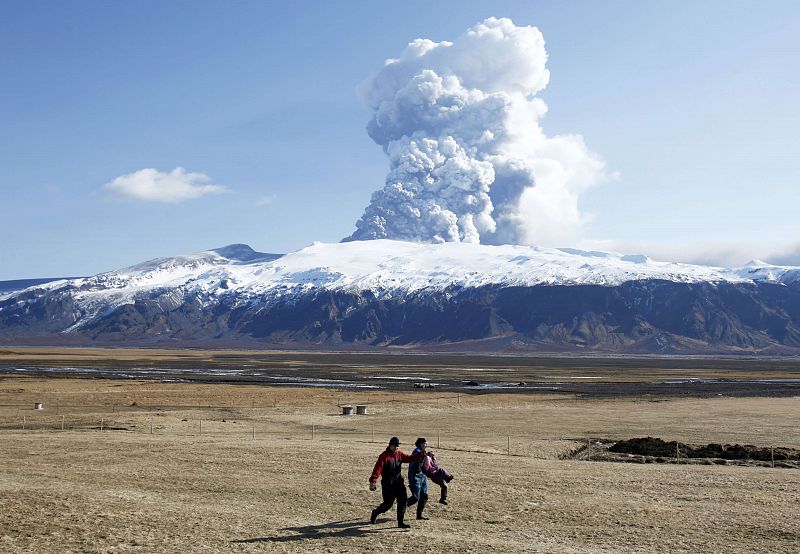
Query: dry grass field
{"x": 183, "y": 467}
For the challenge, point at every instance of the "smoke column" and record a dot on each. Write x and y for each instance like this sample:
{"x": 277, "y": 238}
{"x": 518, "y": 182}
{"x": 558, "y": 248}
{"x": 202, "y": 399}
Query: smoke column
{"x": 468, "y": 160}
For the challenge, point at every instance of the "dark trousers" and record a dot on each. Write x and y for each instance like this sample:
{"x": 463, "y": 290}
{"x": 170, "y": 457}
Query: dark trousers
{"x": 391, "y": 492}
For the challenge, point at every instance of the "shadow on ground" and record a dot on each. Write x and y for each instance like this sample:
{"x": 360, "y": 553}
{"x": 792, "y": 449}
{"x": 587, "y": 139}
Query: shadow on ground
{"x": 346, "y": 528}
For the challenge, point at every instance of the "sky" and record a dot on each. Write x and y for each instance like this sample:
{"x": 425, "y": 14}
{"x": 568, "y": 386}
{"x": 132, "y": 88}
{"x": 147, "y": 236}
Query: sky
{"x": 130, "y": 131}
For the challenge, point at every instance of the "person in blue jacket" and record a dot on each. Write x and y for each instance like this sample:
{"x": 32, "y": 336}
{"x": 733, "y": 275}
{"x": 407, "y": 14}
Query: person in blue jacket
{"x": 417, "y": 481}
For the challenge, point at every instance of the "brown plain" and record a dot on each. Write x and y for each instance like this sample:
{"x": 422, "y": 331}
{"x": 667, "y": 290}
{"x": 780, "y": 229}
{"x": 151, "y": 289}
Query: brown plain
{"x": 183, "y": 467}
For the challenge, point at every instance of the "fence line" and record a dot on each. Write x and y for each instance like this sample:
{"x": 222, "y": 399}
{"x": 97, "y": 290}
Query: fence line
{"x": 531, "y": 444}
{"x": 456, "y": 398}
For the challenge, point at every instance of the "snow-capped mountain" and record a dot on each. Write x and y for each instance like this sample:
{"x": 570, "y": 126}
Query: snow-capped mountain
{"x": 391, "y": 292}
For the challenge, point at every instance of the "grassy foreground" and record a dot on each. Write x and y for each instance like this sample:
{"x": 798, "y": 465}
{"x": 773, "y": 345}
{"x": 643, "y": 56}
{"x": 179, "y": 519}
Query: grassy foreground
{"x": 251, "y": 477}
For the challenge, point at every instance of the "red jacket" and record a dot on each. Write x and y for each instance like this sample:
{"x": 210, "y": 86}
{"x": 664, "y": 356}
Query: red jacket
{"x": 389, "y": 465}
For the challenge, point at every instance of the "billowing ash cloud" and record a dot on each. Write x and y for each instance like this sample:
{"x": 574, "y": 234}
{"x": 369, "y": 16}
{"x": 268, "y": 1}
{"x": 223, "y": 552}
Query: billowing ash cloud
{"x": 468, "y": 160}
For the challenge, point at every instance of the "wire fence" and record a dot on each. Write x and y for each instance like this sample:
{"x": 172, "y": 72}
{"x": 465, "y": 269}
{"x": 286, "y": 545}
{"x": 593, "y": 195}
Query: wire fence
{"x": 520, "y": 437}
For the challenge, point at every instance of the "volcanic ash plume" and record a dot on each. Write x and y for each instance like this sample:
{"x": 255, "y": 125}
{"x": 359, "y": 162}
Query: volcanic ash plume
{"x": 468, "y": 161}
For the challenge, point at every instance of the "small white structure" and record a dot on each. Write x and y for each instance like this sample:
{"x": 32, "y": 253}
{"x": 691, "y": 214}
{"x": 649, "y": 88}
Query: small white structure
{"x": 347, "y": 410}
{"x": 361, "y": 409}
{"x": 38, "y": 406}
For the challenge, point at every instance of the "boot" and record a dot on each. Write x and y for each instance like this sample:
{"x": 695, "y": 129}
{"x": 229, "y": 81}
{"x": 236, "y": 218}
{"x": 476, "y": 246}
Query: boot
{"x": 373, "y": 516}
{"x": 403, "y": 525}
{"x": 421, "y": 506}
{"x": 443, "y": 499}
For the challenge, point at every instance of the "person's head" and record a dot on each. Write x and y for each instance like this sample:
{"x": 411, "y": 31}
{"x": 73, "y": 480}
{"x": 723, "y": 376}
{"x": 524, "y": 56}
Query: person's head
{"x": 421, "y": 442}
{"x": 394, "y": 443}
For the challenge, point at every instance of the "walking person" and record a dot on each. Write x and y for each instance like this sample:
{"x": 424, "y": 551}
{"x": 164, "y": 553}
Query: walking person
{"x": 389, "y": 469}
{"x": 417, "y": 481}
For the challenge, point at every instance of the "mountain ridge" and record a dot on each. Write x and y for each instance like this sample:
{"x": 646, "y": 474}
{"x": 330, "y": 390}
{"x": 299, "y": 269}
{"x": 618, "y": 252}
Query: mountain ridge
{"x": 391, "y": 293}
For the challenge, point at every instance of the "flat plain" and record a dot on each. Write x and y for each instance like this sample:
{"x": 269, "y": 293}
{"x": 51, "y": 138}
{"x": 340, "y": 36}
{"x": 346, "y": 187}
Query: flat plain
{"x": 591, "y": 376}
{"x": 144, "y": 465}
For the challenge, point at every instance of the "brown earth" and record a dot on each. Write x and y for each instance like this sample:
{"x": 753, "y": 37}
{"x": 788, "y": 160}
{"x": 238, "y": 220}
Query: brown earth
{"x": 231, "y": 468}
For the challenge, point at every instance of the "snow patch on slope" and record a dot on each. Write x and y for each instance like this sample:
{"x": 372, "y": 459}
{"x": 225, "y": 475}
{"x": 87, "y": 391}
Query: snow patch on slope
{"x": 384, "y": 267}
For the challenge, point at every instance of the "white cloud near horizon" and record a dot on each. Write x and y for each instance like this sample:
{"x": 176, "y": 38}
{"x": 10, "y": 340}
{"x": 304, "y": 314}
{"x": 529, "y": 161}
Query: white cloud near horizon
{"x": 152, "y": 185}
{"x": 789, "y": 255}
{"x": 720, "y": 254}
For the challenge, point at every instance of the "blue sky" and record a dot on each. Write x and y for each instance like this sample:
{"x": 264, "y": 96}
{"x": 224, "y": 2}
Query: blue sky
{"x": 694, "y": 105}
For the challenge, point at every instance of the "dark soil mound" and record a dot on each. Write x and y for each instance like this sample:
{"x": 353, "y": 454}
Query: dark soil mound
{"x": 650, "y": 446}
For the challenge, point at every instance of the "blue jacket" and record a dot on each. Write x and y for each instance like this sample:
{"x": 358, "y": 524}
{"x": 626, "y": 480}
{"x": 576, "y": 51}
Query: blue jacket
{"x": 415, "y": 469}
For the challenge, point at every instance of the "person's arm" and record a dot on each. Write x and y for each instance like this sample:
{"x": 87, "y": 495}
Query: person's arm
{"x": 377, "y": 470}
{"x": 408, "y": 458}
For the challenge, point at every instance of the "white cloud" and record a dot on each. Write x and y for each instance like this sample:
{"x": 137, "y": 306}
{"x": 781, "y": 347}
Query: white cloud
{"x": 151, "y": 185}
{"x": 267, "y": 200}
{"x": 788, "y": 255}
{"x": 715, "y": 253}
{"x": 468, "y": 160}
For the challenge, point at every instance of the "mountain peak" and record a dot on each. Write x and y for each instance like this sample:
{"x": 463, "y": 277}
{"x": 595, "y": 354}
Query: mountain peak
{"x": 242, "y": 253}
{"x": 757, "y": 263}
{"x": 636, "y": 258}
{"x": 393, "y": 292}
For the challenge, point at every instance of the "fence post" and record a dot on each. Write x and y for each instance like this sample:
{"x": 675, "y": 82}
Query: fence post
{"x": 772, "y": 455}
{"x": 23, "y": 423}
{"x": 438, "y": 439}
{"x": 101, "y": 423}
{"x": 312, "y": 431}
{"x": 151, "y": 426}
{"x": 254, "y": 431}
{"x": 62, "y": 422}
{"x": 677, "y": 453}
{"x": 373, "y": 432}
{"x": 509, "y": 445}
{"x": 201, "y": 426}
{"x": 459, "y": 398}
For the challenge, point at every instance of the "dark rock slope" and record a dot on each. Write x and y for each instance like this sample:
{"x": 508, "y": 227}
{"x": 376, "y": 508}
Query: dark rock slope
{"x": 637, "y": 317}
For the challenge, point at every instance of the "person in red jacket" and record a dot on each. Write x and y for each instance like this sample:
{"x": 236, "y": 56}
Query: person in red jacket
{"x": 388, "y": 468}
